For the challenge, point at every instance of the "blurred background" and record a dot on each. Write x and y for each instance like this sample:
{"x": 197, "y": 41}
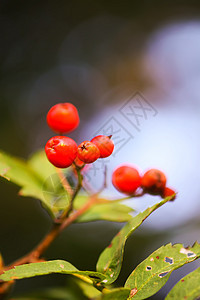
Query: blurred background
{"x": 133, "y": 70}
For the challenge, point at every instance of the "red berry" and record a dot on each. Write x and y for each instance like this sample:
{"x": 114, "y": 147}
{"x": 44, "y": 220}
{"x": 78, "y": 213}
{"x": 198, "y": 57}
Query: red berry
{"x": 61, "y": 151}
{"x": 63, "y": 117}
{"x": 168, "y": 192}
{"x": 126, "y": 179}
{"x": 105, "y": 145}
{"x": 153, "y": 182}
{"x": 88, "y": 152}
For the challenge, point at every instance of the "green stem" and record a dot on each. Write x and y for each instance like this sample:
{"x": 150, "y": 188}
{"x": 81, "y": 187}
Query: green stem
{"x": 73, "y": 196}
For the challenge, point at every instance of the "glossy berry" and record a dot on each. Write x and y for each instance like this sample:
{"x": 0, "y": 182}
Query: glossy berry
{"x": 61, "y": 151}
{"x": 88, "y": 152}
{"x": 105, "y": 145}
{"x": 126, "y": 179}
{"x": 63, "y": 117}
{"x": 167, "y": 192}
{"x": 153, "y": 182}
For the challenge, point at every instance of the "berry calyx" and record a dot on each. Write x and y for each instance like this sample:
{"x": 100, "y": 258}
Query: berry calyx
{"x": 105, "y": 145}
{"x": 169, "y": 192}
{"x": 63, "y": 117}
{"x": 88, "y": 152}
{"x": 61, "y": 151}
{"x": 153, "y": 182}
{"x": 126, "y": 179}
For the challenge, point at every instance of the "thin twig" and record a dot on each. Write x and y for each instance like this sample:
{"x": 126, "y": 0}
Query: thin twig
{"x": 57, "y": 228}
{"x": 73, "y": 196}
{"x": 129, "y": 197}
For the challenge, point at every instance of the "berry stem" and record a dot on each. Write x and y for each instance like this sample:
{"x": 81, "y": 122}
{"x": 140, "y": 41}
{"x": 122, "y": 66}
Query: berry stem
{"x": 130, "y": 197}
{"x": 64, "y": 181}
{"x": 73, "y": 195}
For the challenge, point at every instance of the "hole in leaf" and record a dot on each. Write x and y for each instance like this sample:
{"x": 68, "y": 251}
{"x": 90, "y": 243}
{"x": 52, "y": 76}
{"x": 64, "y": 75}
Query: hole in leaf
{"x": 161, "y": 275}
{"x": 189, "y": 253}
{"x": 169, "y": 260}
{"x": 148, "y": 268}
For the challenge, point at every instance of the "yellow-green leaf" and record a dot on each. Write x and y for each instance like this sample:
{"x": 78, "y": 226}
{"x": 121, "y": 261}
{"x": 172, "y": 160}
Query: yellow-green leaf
{"x": 116, "y": 294}
{"x": 37, "y": 178}
{"x": 110, "y": 260}
{"x": 103, "y": 210}
{"x": 187, "y": 288}
{"x": 44, "y": 268}
{"x": 151, "y": 274}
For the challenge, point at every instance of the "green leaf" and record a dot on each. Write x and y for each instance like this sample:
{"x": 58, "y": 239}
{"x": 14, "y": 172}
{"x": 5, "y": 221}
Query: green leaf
{"x": 117, "y": 294}
{"x": 37, "y": 178}
{"x": 87, "y": 289}
{"x": 187, "y": 288}
{"x": 54, "y": 196}
{"x": 39, "y": 163}
{"x": 17, "y": 171}
{"x": 151, "y": 274}
{"x": 103, "y": 210}
{"x": 110, "y": 260}
{"x": 44, "y": 268}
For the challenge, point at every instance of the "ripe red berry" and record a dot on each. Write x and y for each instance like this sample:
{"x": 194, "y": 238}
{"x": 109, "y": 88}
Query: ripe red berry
{"x": 105, "y": 145}
{"x": 61, "y": 151}
{"x": 168, "y": 192}
{"x": 126, "y": 179}
{"x": 63, "y": 117}
{"x": 153, "y": 182}
{"x": 88, "y": 152}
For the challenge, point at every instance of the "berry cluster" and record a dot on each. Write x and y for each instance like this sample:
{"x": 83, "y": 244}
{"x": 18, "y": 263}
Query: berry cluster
{"x": 62, "y": 151}
{"x": 127, "y": 180}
